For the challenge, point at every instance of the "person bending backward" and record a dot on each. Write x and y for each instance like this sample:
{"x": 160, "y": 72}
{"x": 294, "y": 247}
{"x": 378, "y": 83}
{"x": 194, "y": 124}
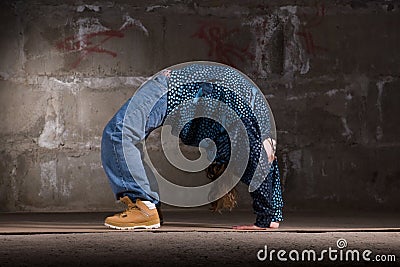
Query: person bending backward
{"x": 151, "y": 105}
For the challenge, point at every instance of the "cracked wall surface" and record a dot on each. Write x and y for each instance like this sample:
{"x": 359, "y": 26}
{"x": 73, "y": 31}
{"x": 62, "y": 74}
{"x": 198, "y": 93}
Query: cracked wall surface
{"x": 329, "y": 69}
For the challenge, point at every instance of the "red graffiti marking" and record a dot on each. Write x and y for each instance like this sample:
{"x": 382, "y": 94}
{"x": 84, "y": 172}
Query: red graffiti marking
{"x": 309, "y": 23}
{"x": 217, "y": 38}
{"x": 84, "y": 43}
{"x": 92, "y": 42}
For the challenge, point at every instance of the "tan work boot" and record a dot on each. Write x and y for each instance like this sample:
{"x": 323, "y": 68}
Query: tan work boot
{"x": 137, "y": 215}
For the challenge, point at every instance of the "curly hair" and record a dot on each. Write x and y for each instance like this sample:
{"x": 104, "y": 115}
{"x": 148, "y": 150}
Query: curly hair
{"x": 229, "y": 200}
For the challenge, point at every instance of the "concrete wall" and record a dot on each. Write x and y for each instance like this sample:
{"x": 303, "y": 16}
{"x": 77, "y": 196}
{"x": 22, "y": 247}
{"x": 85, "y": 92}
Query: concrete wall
{"x": 330, "y": 71}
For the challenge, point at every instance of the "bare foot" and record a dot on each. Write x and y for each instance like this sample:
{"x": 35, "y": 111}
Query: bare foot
{"x": 248, "y": 227}
{"x": 273, "y": 225}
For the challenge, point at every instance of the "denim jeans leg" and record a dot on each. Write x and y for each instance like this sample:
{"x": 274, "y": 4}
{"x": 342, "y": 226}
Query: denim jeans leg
{"x": 121, "y": 141}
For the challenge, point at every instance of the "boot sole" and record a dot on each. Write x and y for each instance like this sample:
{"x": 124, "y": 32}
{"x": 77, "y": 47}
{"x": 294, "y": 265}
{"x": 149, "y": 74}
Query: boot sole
{"x": 153, "y": 226}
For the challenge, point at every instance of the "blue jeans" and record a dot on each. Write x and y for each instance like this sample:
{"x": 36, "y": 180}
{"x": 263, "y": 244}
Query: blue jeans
{"x": 146, "y": 112}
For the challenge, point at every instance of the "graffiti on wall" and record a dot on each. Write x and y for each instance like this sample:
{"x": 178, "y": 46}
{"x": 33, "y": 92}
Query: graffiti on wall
{"x": 221, "y": 44}
{"x": 310, "y": 21}
{"x": 91, "y": 38}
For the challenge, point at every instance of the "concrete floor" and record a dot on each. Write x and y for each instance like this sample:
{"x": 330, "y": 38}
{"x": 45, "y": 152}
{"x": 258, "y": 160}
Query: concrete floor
{"x": 191, "y": 237}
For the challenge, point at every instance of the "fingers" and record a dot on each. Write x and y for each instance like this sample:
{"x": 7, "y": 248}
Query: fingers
{"x": 271, "y": 158}
{"x": 167, "y": 73}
